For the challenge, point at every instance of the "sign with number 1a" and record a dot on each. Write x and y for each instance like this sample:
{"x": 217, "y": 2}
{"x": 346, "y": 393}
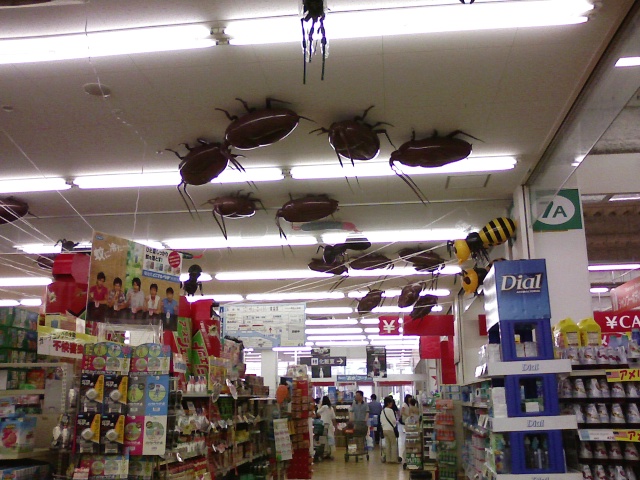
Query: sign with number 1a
{"x": 556, "y": 212}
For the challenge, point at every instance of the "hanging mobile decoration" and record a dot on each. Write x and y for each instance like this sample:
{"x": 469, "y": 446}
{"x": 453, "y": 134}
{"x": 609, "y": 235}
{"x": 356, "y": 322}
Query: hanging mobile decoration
{"x": 312, "y": 11}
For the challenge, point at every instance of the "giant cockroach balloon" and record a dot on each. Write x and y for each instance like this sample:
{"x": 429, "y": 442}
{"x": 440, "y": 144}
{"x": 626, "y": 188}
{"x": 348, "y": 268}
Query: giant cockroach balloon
{"x": 370, "y": 301}
{"x": 313, "y": 11}
{"x": 11, "y": 209}
{"x": 335, "y": 268}
{"x": 423, "y": 306}
{"x": 355, "y": 139}
{"x": 332, "y": 252}
{"x": 496, "y": 232}
{"x": 202, "y": 164}
{"x": 371, "y": 261}
{"x": 422, "y": 259}
{"x": 324, "y": 225}
{"x": 410, "y": 295}
{"x": 259, "y": 128}
{"x": 233, "y": 206}
{"x": 306, "y": 209}
{"x": 430, "y": 152}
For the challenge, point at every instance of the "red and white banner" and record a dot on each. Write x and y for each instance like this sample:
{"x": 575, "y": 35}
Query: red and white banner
{"x": 617, "y": 322}
{"x": 627, "y": 295}
{"x": 389, "y": 325}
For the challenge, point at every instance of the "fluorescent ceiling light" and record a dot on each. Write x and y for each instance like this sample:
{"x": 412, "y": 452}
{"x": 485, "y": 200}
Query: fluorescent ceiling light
{"x": 392, "y": 338}
{"x": 625, "y": 197}
{"x": 193, "y": 243}
{"x": 331, "y": 322}
{"x": 374, "y": 321}
{"x": 391, "y": 309}
{"x": 291, "y": 349}
{"x": 43, "y": 249}
{"x": 332, "y": 331}
{"x": 31, "y": 302}
{"x": 578, "y": 160}
{"x": 9, "y": 303}
{"x": 371, "y": 330}
{"x": 415, "y": 20}
{"x": 621, "y": 266}
{"x": 628, "y": 62}
{"x": 172, "y": 178}
{"x": 328, "y": 310}
{"x": 337, "y": 343}
{"x": 319, "y": 338}
{"x": 599, "y": 290}
{"x": 592, "y": 198}
{"x": 402, "y": 272}
{"x": 309, "y": 344}
{"x": 24, "y": 281}
{"x": 151, "y": 244}
{"x": 105, "y": 43}
{"x": 382, "y": 169}
{"x": 204, "y": 277}
{"x": 392, "y": 293}
{"x": 26, "y": 185}
{"x": 392, "y": 236}
{"x": 217, "y": 298}
{"x": 303, "y": 274}
{"x": 436, "y": 308}
{"x": 295, "y": 296}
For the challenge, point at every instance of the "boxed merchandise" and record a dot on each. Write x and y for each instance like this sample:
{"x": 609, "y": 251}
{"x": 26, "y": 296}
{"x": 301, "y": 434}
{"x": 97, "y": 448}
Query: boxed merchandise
{"x": 91, "y": 392}
{"x": 112, "y": 433}
{"x": 106, "y": 357}
{"x": 115, "y": 393}
{"x": 152, "y": 358}
{"x": 88, "y": 432}
{"x": 141, "y": 468}
{"x": 24, "y": 470}
{"x": 17, "y": 434}
{"x": 146, "y": 435}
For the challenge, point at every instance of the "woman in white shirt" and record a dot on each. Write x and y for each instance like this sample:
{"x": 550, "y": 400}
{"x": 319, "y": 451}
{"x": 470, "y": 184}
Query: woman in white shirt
{"x": 389, "y": 424}
{"x": 328, "y": 417}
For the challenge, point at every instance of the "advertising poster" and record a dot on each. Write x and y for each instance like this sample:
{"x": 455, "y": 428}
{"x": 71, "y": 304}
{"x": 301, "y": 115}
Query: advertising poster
{"x": 130, "y": 282}
{"x": 376, "y": 361}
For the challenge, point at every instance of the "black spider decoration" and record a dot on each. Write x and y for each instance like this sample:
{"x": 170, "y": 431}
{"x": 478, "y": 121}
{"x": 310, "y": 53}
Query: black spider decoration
{"x": 192, "y": 285}
{"x": 67, "y": 245}
{"x": 313, "y": 11}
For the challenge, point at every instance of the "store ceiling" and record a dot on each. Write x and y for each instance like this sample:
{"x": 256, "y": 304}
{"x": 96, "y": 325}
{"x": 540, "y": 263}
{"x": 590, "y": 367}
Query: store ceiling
{"x": 510, "y": 88}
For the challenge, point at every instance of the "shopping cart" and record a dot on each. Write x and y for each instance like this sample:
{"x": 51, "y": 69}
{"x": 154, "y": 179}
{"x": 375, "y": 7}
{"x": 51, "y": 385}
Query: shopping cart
{"x": 356, "y": 437}
{"x": 320, "y": 441}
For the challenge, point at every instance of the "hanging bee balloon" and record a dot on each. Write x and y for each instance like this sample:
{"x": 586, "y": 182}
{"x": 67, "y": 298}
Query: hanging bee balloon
{"x": 496, "y": 232}
{"x": 473, "y": 278}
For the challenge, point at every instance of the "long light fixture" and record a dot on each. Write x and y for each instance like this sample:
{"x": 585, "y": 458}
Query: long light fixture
{"x": 337, "y": 343}
{"x": 328, "y": 310}
{"x": 25, "y": 185}
{"x": 391, "y": 236}
{"x": 299, "y": 274}
{"x": 332, "y": 331}
{"x": 269, "y": 275}
{"x": 620, "y": 266}
{"x": 24, "y": 281}
{"x": 375, "y": 321}
{"x": 9, "y": 303}
{"x": 598, "y": 290}
{"x": 231, "y": 297}
{"x": 319, "y": 338}
{"x": 392, "y": 293}
{"x": 382, "y": 169}
{"x": 416, "y": 20}
{"x": 31, "y": 302}
{"x": 172, "y": 178}
{"x": 402, "y": 272}
{"x": 331, "y": 322}
{"x": 391, "y": 309}
{"x": 291, "y": 349}
{"x": 105, "y": 43}
{"x": 191, "y": 243}
{"x": 628, "y": 62}
{"x": 204, "y": 277}
{"x": 295, "y": 296}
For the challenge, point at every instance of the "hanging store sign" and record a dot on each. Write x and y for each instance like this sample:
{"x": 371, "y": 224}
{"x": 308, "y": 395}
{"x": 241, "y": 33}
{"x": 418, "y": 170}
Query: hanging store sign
{"x": 389, "y": 325}
{"x": 376, "y": 361}
{"x": 353, "y": 378}
{"x": 557, "y": 212}
{"x": 626, "y": 296}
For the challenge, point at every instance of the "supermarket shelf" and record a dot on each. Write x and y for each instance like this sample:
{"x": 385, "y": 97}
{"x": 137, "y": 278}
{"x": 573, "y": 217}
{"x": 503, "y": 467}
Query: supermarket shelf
{"x": 588, "y": 373}
{"x": 171, "y": 457}
{"x": 475, "y": 429}
{"x": 535, "y": 476}
{"x": 609, "y": 435}
{"x": 475, "y": 404}
{"x": 196, "y": 395}
{"x": 537, "y": 423}
{"x": 524, "y": 367}
{"x": 36, "y": 452}
{"x": 17, "y": 393}
{"x": 32, "y": 365}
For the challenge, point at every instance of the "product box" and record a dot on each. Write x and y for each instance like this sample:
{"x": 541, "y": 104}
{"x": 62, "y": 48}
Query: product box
{"x": 106, "y": 357}
{"x": 17, "y": 434}
{"x": 136, "y": 394}
{"x": 152, "y": 358}
{"x": 199, "y": 355}
{"x": 91, "y": 392}
{"x": 102, "y": 467}
{"x": 115, "y": 393}
{"x": 141, "y": 468}
{"x": 18, "y": 318}
{"x": 146, "y": 435}
{"x": 148, "y": 395}
{"x": 88, "y": 432}
{"x": 112, "y": 433}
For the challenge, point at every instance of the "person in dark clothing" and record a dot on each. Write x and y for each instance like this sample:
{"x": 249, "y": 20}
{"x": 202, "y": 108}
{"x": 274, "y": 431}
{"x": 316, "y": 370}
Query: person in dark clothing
{"x": 375, "y": 408}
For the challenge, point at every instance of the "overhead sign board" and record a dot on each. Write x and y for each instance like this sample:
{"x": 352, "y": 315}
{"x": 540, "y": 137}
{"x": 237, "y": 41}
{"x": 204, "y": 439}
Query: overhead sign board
{"x": 557, "y": 212}
{"x": 626, "y": 296}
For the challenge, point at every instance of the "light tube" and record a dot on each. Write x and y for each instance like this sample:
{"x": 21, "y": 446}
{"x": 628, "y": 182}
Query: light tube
{"x": 26, "y": 185}
{"x": 105, "y": 43}
{"x": 390, "y": 236}
{"x": 328, "y": 310}
{"x": 291, "y": 349}
{"x": 382, "y": 169}
{"x": 391, "y": 309}
{"x": 372, "y": 330}
{"x": 231, "y": 297}
{"x": 332, "y": 331}
{"x": 295, "y": 296}
{"x": 190, "y": 243}
{"x": 9, "y": 303}
{"x": 24, "y": 281}
{"x": 151, "y": 244}
{"x": 392, "y": 293}
{"x": 320, "y": 338}
{"x": 331, "y": 322}
{"x": 598, "y": 290}
{"x": 415, "y": 20}
{"x": 436, "y": 308}
{"x": 624, "y": 197}
{"x": 621, "y": 266}
{"x": 628, "y": 62}
{"x": 31, "y": 302}
{"x": 375, "y": 321}
{"x": 337, "y": 343}
{"x": 402, "y": 271}
{"x": 204, "y": 277}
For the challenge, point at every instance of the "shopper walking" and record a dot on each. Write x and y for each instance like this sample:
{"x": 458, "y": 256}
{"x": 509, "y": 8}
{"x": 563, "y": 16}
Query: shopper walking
{"x": 375, "y": 409}
{"x": 328, "y": 416}
{"x": 405, "y": 411}
{"x": 359, "y": 413}
{"x": 389, "y": 432}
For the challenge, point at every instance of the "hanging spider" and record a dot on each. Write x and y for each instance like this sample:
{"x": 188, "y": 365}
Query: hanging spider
{"x": 313, "y": 11}
{"x": 192, "y": 284}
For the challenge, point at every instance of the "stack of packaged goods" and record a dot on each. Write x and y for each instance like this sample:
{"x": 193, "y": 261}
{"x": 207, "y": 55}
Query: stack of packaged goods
{"x": 300, "y": 464}
{"x": 18, "y": 344}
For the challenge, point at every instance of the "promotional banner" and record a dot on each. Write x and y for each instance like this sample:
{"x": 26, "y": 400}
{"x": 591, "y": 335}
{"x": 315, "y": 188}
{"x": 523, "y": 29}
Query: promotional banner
{"x": 130, "y": 282}
{"x": 617, "y": 323}
{"x": 389, "y": 325}
{"x": 376, "y": 361}
{"x": 626, "y": 296}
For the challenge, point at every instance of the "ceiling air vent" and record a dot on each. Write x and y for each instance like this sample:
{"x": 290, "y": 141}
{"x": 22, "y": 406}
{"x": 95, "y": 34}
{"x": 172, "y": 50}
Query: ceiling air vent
{"x": 37, "y": 3}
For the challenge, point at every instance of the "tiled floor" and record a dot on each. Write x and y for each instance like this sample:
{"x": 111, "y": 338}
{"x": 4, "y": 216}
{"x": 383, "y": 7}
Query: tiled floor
{"x": 338, "y": 469}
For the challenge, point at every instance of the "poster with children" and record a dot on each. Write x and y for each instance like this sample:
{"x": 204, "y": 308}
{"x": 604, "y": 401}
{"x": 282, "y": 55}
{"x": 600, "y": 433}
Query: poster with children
{"x": 132, "y": 283}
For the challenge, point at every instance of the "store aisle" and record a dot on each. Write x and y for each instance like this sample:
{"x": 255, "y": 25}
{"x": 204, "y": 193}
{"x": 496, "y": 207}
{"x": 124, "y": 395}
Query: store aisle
{"x": 338, "y": 469}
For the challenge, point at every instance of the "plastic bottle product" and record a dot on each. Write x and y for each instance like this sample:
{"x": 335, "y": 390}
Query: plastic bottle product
{"x": 545, "y": 453}
{"x": 528, "y": 454}
{"x": 586, "y": 472}
{"x": 536, "y": 452}
{"x": 567, "y": 334}
{"x": 590, "y": 332}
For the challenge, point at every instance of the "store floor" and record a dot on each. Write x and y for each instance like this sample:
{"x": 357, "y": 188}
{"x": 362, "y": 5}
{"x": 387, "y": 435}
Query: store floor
{"x": 338, "y": 469}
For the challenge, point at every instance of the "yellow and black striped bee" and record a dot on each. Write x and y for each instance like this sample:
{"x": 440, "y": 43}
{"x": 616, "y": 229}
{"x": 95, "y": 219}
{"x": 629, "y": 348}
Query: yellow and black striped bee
{"x": 497, "y": 231}
{"x": 473, "y": 278}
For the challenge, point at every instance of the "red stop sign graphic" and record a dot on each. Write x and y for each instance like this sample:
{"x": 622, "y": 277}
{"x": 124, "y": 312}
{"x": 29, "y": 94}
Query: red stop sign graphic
{"x": 174, "y": 259}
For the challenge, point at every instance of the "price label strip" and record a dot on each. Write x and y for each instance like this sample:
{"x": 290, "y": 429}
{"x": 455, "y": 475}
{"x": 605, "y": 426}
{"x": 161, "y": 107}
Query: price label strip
{"x": 623, "y": 375}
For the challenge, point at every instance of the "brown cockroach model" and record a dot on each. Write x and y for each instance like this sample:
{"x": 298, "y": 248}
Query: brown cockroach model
{"x": 306, "y": 209}
{"x": 371, "y": 261}
{"x": 233, "y": 206}
{"x": 202, "y": 164}
{"x": 422, "y": 259}
{"x": 335, "y": 268}
{"x": 332, "y": 252}
{"x": 11, "y": 209}
{"x": 430, "y": 152}
{"x": 423, "y": 306}
{"x": 355, "y": 139}
{"x": 370, "y": 301}
{"x": 410, "y": 295}
{"x": 259, "y": 128}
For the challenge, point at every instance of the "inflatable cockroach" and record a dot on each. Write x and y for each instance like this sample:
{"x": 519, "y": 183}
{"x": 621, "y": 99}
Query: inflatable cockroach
{"x": 233, "y": 206}
{"x": 422, "y": 259}
{"x": 495, "y": 232}
{"x": 259, "y": 128}
{"x": 473, "y": 278}
{"x": 332, "y": 252}
{"x": 11, "y": 209}
{"x": 306, "y": 209}
{"x": 371, "y": 261}
{"x": 430, "y": 152}
{"x": 202, "y": 164}
{"x": 370, "y": 301}
{"x": 313, "y": 11}
{"x": 326, "y": 225}
{"x": 46, "y": 261}
{"x": 355, "y": 139}
{"x": 192, "y": 284}
{"x": 410, "y": 295}
{"x": 335, "y": 268}
{"x": 423, "y": 306}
